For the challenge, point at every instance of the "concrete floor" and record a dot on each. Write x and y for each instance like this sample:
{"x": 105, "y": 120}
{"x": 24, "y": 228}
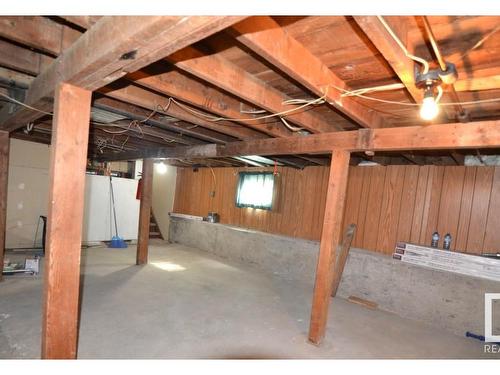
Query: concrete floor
{"x": 188, "y": 304}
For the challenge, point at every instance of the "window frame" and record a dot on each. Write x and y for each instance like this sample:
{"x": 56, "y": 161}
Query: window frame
{"x": 238, "y": 186}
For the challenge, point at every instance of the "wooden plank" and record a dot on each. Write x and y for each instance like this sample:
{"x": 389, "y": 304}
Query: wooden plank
{"x": 389, "y": 212}
{"x": 363, "y": 206}
{"x": 407, "y": 207}
{"x": 342, "y": 257}
{"x": 21, "y": 59}
{"x": 330, "y": 238}
{"x": 363, "y": 302}
{"x": 64, "y": 229}
{"x": 465, "y": 209}
{"x": 431, "y": 208}
{"x": 34, "y": 31}
{"x": 83, "y": 21}
{"x": 492, "y": 235}
{"x": 228, "y": 76}
{"x": 145, "y": 211}
{"x": 374, "y": 205}
{"x": 390, "y": 50}
{"x": 479, "y": 211}
{"x": 449, "y": 205}
{"x": 4, "y": 176}
{"x": 482, "y": 134}
{"x": 111, "y": 48}
{"x": 354, "y": 187}
{"x": 266, "y": 38}
{"x": 418, "y": 210}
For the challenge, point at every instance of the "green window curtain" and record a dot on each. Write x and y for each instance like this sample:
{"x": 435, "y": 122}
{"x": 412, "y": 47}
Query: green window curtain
{"x": 255, "y": 189}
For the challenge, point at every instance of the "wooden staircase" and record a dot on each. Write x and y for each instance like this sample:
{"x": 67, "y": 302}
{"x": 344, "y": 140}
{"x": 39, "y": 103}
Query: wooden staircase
{"x": 154, "y": 229}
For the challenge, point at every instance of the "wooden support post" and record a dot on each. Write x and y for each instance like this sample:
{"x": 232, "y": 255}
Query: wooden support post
{"x": 145, "y": 211}
{"x": 4, "y": 175}
{"x": 64, "y": 230}
{"x": 330, "y": 239}
{"x": 342, "y": 257}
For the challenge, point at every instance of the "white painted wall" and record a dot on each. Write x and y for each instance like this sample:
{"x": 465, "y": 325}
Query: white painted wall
{"x": 163, "y": 197}
{"x": 98, "y": 223}
{"x": 27, "y": 191}
{"x": 28, "y": 196}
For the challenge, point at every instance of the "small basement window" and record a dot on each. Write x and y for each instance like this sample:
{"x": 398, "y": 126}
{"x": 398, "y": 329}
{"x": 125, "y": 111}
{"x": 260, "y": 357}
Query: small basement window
{"x": 255, "y": 190}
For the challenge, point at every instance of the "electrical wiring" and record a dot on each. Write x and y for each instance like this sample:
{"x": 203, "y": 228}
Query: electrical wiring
{"x": 279, "y": 114}
{"x": 402, "y": 46}
{"x": 478, "y": 44}
{"x": 292, "y": 128}
{"x": 492, "y": 100}
{"x": 24, "y": 104}
{"x": 390, "y": 87}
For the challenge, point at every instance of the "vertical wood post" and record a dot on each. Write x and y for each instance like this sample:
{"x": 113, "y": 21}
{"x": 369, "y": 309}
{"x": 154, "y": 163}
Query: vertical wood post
{"x": 330, "y": 238}
{"x": 145, "y": 211}
{"x": 4, "y": 175}
{"x": 70, "y": 131}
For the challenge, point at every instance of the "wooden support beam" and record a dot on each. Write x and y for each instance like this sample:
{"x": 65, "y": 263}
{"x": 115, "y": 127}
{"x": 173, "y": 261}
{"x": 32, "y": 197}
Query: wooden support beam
{"x": 4, "y": 175}
{"x": 145, "y": 211}
{"x": 224, "y": 74}
{"x": 331, "y": 235}
{"x": 458, "y": 158}
{"x": 266, "y": 38}
{"x": 390, "y": 50}
{"x": 342, "y": 257}
{"x": 482, "y": 134}
{"x": 109, "y": 50}
{"x": 65, "y": 215}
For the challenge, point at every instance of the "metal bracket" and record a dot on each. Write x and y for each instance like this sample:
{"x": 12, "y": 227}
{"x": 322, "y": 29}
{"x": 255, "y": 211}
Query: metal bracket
{"x": 435, "y": 77}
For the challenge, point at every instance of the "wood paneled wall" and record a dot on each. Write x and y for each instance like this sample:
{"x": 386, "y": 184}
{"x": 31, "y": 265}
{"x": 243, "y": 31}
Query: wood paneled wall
{"x": 388, "y": 204}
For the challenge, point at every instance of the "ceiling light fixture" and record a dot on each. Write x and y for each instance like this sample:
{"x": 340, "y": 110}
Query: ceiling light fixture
{"x": 161, "y": 168}
{"x": 429, "y": 109}
{"x": 429, "y": 81}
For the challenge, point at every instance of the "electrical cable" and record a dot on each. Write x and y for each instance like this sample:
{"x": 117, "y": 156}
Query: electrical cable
{"x": 401, "y": 45}
{"x": 292, "y": 128}
{"x": 478, "y": 44}
{"x": 492, "y": 100}
{"x": 25, "y": 105}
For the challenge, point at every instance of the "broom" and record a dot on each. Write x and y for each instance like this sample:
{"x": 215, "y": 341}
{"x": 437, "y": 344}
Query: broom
{"x": 116, "y": 241}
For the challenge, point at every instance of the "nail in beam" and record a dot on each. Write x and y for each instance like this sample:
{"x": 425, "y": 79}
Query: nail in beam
{"x": 4, "y": 174}
{"x": 145, "y": 211}
{"x": 65, "y": 213}
{"x": 330, "y": 239}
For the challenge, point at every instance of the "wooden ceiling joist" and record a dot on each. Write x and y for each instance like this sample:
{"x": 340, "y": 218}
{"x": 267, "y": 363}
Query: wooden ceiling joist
{"x": 391, "y": 51}
{"x": 182, "y": 128}
{"x": 177, "y": 85}
{"x": 38, "y": 32}
{"x": 267, "y": 39}
{"x": 155, "y": 102}
{"x": 113, "y": 47}
{"x": 231, "y": 78}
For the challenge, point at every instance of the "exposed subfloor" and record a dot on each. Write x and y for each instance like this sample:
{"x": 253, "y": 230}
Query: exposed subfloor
{"x": 188, "y": 304}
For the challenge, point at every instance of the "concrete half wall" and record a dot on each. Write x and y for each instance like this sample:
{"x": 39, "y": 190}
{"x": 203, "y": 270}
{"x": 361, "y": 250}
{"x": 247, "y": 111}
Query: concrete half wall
{"x": 438, "y": 298}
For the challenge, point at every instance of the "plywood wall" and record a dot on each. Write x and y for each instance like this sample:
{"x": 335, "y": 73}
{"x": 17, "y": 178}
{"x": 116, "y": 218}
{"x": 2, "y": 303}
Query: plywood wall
{"x": 388, "y": 204}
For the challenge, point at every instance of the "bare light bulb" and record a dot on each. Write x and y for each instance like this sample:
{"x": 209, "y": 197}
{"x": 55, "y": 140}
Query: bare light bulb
{"x": 429, "y": 109}
{"x": 161, "y": 168}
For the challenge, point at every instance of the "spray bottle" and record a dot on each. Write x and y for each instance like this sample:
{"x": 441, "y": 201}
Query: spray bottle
{"x": 435, "y": 239}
